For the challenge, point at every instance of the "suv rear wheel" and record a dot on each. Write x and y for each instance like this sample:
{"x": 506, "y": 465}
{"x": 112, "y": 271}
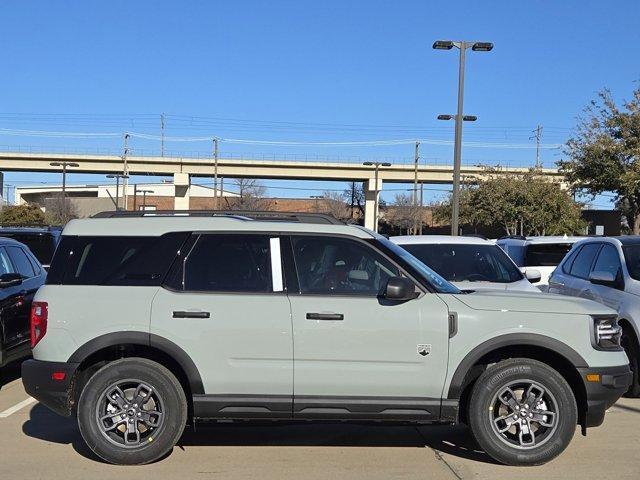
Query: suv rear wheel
{"x": 132, "y": 411}
{"x": 522, "y": 412}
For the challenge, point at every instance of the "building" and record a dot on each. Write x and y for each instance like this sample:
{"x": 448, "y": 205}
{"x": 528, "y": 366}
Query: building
{"x": 87, "y": 200}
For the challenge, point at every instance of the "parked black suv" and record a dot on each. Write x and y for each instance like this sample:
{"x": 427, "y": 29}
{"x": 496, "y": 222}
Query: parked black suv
{"x": 42, "y": 241}
{"x": 20, "y": 276}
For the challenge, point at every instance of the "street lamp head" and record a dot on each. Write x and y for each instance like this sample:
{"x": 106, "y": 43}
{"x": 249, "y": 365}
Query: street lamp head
{"x": 442, "y": 45}
{"x": 55, "y": 164}
{"x": 368, "y": 164}
{"x": 469, "y": 118}
{"x": 72, "y": 164}
{"x": 385, "y": 164}
{"x": 482, "y": 47}
{"x": 446, "y": 117}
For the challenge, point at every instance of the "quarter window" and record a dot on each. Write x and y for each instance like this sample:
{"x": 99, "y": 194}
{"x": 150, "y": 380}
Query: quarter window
{"x": 583, "y": 261}
{"x": 5, "y": 263}
{"x": 21, "y": 262}
{"x": 227, "y": 263}
{"x": 330, "y": 265}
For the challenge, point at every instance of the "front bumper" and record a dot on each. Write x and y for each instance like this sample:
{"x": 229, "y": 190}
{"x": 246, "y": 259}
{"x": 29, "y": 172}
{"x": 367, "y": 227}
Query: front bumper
{"x": 612, "y": 384}
{"x": 38, "y": 381}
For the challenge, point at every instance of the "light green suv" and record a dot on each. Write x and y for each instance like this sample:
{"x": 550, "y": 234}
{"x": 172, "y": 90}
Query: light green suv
{"x": 148, "y": 324}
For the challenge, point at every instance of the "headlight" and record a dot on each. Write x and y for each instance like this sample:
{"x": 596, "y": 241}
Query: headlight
{"x": 606, "y": 332}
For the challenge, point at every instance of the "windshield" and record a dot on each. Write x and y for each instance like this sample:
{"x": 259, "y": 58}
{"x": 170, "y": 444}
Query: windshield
{"x": 632, "y": 259}
{"x": 440, "y": 284}
{"x": 467, "y": 262}
{"x": 546, "y": 254}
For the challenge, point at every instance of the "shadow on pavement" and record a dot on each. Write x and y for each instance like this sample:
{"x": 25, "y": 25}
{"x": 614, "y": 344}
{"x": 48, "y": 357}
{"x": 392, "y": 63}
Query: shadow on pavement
{"x": 45, "y": 425}
{"x": 627, "y": 408}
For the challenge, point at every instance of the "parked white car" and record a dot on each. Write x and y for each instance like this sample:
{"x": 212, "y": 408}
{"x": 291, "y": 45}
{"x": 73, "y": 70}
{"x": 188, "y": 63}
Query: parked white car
{"x": 607, "y": 270}
{"x": 539, "y": 253}
{"x": 470, "y": 263}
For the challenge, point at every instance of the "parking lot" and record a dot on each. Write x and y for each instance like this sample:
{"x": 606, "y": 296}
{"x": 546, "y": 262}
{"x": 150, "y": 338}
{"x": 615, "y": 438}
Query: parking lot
{"x": 36, "y": 440}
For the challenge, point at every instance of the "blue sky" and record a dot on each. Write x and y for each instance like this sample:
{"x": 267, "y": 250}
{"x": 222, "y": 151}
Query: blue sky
{"x": 331, "y": 70}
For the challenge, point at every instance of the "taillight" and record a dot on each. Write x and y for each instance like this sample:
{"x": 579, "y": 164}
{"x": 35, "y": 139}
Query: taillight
{"x": 39, "y": 316}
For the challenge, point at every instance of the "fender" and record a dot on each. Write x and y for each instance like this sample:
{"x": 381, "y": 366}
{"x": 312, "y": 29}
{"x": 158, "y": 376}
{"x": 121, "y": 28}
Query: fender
{"x": 147, "y": 340}
{"x": 524, "y": 339}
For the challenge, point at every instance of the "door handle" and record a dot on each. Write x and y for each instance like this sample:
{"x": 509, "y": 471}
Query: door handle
{"x": 325, "y": 316}
{"x": 187, "y": 314}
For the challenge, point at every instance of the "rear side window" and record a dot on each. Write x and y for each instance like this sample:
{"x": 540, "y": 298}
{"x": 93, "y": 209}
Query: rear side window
{"x": 21, "y": 262}
{"x": 546, "y": 254}
{"x": 225, "y": 263}
{"x": 130, "y": 261}
{"x": 5, "y": 264}
{"x": 583, "y": 261}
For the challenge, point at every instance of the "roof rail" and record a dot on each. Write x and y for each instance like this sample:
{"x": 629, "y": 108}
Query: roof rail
{"x": 516, "y": 237}
{"x": 475, "y": 235}
{"x": 302, "y": 217}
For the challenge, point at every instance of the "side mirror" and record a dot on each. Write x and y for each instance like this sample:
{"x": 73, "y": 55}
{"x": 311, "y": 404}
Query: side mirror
{"x": 607, "y": 279}
{"x": 534, "y": 276}
{"x": 10, "y": 280}
{"x": 400, "y": 288}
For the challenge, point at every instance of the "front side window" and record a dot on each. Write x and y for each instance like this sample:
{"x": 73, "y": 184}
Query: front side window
{"x": 608, "y": 261}
{"x": 21, "y": 262}
{"x": 226, "y": 263}
{"x": 5, "y": 264}
{"x": 333, "y": 265}
{"x": 583, "y": 261}
{"x": 467, "y": 263}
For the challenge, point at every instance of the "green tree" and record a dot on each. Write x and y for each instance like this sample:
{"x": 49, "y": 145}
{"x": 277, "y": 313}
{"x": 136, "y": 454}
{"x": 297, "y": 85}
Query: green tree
{"x": 28, "y": 214}
{"x": 604, "y": 153}
{"x": 526, "y": 203}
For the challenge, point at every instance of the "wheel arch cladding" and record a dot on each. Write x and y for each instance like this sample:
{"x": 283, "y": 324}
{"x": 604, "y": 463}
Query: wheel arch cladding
{"x": 148, "y": 343}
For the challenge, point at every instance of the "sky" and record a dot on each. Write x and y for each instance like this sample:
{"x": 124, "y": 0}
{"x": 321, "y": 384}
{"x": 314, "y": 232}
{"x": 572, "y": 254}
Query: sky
{"x": 309, "y": 71}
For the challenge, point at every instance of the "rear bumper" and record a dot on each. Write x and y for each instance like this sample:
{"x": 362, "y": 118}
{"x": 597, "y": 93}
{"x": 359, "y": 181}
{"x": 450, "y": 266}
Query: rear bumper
{"x": 613, "y": 383}
{"x": 37, "y": 378}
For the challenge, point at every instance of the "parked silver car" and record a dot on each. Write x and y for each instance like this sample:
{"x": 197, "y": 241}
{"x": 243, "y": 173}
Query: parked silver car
{"x": 607, "y": 270}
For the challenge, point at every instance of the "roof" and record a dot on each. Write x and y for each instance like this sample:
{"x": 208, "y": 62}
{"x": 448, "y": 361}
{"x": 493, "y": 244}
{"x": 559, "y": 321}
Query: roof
{"x": 628, "y": 239}
{"x": 22, "y": 230}
{"x": 545, "y": 239}
{"x": 155, "y": 226}
{"x": 8, "y": 241}
{"x": 447, "y": 239}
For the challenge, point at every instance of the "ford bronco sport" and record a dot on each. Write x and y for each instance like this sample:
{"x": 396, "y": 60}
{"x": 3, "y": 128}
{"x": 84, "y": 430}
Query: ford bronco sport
{"x": 147, "y": 324}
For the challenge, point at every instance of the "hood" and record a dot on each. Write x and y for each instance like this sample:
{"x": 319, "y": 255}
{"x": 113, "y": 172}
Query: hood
{"x": 523, "y": 285}
{"x": 500, "y": 301}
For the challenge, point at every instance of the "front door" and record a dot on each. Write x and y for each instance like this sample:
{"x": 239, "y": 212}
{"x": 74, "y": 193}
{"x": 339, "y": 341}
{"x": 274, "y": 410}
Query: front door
{"x": 358, "y": 355}
{"x": 224, "y": 305}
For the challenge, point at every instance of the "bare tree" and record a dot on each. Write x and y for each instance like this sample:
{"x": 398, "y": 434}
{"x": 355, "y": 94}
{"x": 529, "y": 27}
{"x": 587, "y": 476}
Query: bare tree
{"x": 251, "y": 195}
{"x": 354, "y": 195}
{"x": 334, "y": 204}
{"x": 59, "y": 210}
{"x": 403, "y": 214}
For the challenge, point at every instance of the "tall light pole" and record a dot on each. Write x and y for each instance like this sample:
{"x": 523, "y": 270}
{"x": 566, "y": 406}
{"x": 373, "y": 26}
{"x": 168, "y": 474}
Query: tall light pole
{"x": 377, "y": 166}
{"x": 118, "y": 176}
{"x": 64, "y": 166}
{"x": 215, "y": 173}
{"x": 416, "y": 159}
{"x": 459, "y": 117}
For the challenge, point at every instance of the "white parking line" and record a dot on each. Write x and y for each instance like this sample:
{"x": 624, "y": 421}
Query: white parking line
{"x": 15, "y": 408}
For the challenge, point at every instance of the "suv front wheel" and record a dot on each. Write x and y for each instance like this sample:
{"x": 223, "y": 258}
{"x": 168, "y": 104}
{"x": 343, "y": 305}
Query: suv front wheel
{"x": 132, "y": 411}
{"x": 522, "y": 412}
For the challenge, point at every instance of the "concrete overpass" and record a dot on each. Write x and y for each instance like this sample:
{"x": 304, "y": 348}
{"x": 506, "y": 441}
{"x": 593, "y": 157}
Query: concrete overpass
{"x": 183, "y": 168}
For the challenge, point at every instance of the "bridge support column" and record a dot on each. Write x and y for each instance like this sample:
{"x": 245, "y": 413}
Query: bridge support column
{"x": 371, "y": 191}
{"x": 181, "y": 183}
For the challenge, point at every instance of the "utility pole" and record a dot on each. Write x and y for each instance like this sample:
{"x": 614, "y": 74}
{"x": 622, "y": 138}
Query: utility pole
{"x": 421, "y": 205}
{"x": 537, "y": 135}
{"x": 377, "y": 166}
{"x": 416, "y": 159}
{"x": 353, "y": 197}
{"x": 125, "y": 171}
{"x": 64, "y": 166}
{"x": 162, "y": 134}
{"x": 215, "y": 173}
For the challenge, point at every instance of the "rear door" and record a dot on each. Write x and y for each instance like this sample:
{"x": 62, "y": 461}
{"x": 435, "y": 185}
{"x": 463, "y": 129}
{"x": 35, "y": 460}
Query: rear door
{"x": 11, "y": 303}
{"x": 224, "y": 304}
{"x": 608, "y": 260}
{"x": 358, "y": 355}
{"x": 23, "y": 293}
{"x": 578, "y": 284}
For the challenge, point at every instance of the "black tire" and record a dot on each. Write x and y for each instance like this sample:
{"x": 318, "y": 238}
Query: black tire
{"x": 163, "y": 407}
{"x": 487, "y": 411}
{"x": 630, "y": 345}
